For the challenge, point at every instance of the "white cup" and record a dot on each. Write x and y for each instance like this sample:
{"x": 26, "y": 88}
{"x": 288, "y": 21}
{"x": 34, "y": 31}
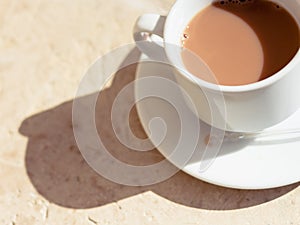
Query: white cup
{"x": 249, "y": 108}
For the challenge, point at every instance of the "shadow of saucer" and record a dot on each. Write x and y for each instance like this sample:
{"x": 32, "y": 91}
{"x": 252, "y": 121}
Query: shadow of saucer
{"x": 59, "y": 173}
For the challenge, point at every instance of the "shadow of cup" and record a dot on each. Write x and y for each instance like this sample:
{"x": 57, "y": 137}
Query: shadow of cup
{"x": 60, "y": 174}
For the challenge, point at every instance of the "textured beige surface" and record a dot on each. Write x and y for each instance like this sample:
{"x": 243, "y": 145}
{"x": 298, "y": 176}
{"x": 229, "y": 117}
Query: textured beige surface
{"x": 45, "y": 47}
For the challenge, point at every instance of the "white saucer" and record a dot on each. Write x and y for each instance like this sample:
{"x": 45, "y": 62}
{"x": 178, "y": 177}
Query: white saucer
{"x": 244, "y": 165}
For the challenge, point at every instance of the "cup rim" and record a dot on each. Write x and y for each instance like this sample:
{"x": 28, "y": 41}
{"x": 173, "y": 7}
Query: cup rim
{"x": 227, "y": 88}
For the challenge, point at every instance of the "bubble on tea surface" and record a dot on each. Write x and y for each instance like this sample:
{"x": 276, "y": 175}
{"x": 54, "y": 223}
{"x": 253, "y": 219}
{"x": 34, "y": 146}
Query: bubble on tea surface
{"x": 238, "y": 2}
{"x": 184, "y": 38}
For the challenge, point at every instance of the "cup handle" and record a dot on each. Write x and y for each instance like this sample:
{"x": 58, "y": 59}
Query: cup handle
{"x": 148, "y": 35}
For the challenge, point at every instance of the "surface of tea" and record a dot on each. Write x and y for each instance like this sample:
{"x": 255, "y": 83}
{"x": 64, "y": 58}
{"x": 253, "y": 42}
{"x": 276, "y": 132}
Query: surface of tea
{"x": 241, "y": 41}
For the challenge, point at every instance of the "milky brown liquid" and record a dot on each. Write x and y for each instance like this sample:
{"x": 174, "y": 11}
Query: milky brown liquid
{"x": 242, "y": 41}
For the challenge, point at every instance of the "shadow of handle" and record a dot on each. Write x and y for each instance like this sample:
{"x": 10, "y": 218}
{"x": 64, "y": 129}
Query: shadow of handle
{"x": 148, "y": 35}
